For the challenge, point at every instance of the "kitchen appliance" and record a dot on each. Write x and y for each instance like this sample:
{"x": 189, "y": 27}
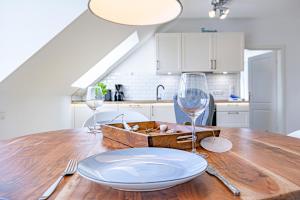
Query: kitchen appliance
{"x": 119, "y": 94}
{"x": 108, "y": 95}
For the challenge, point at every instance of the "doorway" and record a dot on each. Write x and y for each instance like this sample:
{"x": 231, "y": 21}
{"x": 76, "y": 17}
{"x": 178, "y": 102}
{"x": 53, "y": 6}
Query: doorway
{"x": 263, "y": 88}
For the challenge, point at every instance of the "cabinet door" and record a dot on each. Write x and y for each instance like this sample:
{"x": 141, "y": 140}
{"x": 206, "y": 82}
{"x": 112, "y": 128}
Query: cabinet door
{"x": 163, "y": 112}
{"x": 144, "y": 109}
{"x": 233, "y": 119}
{"x": 229, "y": 52}
{"x": 197, "y": 52}
{"x": 168, "y": 53}
{"x": 82, "y": 112}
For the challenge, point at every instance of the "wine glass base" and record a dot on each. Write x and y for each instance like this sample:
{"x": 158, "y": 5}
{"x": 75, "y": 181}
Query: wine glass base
{"x": 216, "y": 144}
{"x": 95, "y": 131}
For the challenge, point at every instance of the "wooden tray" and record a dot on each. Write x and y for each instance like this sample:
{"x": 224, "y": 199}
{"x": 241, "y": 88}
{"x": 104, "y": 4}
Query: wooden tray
{"x": 149, "y": 135}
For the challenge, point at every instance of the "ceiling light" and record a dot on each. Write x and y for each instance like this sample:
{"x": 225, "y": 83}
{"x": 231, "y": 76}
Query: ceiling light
{"x": 136, "y": 12}
{"x": 226, "y": 11}
{"x": 218, "y": 7}
{"x": 223, "y": 16}
{"x": 212, "y": 13}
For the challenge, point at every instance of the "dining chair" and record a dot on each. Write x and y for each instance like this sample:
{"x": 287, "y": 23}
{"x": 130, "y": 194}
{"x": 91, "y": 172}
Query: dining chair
{"x": 112, "y": 116}
{"x": 205, "y": 119}
{"x": 295, "y": 134}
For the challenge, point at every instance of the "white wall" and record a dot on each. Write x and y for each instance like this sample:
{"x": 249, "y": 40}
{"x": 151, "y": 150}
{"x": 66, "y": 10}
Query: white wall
{"x": 36, "y": 97}
{"x": 267, "y": 32}
{"x": 28, "y": 25}
{"x": 138, "y": 75}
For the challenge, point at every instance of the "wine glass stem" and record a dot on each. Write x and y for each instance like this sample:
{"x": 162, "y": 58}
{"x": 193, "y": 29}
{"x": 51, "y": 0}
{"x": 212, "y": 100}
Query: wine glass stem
{"x": 95, "y": 123}
{"x": 194, "y": 137}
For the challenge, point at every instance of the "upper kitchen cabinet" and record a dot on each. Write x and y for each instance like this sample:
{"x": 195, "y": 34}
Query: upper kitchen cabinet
{"x": 168, "y": 53}
{"x": 229, "y": 52}
{"x": 200, "y": 52}
{"x": 197, "y": 52}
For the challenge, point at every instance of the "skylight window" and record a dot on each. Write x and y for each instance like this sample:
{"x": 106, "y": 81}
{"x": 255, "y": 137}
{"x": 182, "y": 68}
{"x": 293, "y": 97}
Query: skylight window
{"x": 110, "y": 59}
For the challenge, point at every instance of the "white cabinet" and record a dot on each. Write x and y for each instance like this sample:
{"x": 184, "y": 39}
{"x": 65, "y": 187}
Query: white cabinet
{"x": 163, "y": 112}
{"x": 233, "y": 115}
{"x": 168, "y": 53}
{"x": 197, "y": 52}
{"x": 200, "y": 52}
{"x": 82, "y": 112}
{"x": 229, "y": 52}
{"x": 144, "y": 109}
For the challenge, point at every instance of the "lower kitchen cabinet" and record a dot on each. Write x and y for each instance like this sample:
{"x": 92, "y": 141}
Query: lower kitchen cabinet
{"x": 144, "y": 109}
{"x": 228, "y": 114}
{"x": 82, "y": 112}
{"x": 163, "y": 112}
{"x": 233, "y": 115}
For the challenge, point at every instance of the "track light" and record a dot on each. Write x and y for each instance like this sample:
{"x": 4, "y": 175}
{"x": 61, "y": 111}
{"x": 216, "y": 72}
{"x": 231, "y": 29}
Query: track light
{"x": 212, "y": 13}
{"x": 218, "y": 7}
{"x": 223, "y": 16}
{"x": 226, "y": 11}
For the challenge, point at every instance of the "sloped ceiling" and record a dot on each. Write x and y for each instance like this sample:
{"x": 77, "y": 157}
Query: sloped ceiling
{"x": 70, "y": 54}
{"x": 28, "y": 25}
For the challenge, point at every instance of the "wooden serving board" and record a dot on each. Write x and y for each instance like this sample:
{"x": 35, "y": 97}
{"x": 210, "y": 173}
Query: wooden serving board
{"x": 149, "y": 135}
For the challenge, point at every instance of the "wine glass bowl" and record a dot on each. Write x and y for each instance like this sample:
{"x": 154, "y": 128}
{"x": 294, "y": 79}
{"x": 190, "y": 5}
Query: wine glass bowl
{"x": 193, "y": 98}
{"x": 94, "y": 100}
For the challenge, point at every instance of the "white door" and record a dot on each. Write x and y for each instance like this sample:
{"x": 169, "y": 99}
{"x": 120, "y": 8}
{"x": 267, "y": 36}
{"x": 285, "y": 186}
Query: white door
{"x": 262, "y": 90}
{"x": 197, "y": 52}
{"x": 168, "y": 53}
{"x": 229, "y": 52}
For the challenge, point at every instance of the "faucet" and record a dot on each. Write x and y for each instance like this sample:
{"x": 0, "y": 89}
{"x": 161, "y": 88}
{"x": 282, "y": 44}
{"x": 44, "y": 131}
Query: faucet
{"x": 157, "y": 97}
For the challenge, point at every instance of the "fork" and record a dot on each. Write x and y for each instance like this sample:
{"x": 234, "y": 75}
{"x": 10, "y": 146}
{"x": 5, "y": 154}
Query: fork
{"x": 70, "y": 170}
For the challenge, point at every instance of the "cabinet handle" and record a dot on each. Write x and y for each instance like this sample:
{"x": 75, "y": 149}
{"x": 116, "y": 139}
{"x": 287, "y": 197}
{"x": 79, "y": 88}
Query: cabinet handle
{"x": 134, "y": 106}
{"x": 215, "y": 65}
{"x": 211, "y": 64}
{"x": 157, "y": 64}
{"x": 152, "y": 113}
{"x": 233, "y": 113}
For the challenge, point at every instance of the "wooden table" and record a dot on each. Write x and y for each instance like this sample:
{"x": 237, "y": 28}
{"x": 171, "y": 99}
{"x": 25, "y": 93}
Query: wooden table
{"x": 262, "y": 165}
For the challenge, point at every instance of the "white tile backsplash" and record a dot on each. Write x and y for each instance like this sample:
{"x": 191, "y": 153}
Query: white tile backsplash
{"x": 142, "y": 86}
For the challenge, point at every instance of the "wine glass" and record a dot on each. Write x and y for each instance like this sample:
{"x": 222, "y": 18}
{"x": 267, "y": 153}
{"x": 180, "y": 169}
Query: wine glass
{"x": 193, "y": 97}
{"x": 94, "y": 100}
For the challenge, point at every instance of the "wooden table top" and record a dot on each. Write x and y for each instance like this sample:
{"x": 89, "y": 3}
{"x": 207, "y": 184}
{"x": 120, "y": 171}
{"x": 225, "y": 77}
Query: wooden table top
{"x": 262, "y": 165}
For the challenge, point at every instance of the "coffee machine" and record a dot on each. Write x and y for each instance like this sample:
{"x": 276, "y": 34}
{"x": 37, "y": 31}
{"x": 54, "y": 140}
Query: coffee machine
{"x": 119, "y": 94}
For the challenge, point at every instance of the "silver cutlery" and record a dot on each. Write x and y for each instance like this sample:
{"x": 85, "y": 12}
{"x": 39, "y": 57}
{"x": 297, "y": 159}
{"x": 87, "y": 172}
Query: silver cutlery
{"x": 70, "y": 170}
{"x": 210, "y": 170}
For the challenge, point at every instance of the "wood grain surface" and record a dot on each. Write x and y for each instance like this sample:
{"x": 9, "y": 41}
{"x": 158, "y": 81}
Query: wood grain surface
{"x": 262, "y": 165}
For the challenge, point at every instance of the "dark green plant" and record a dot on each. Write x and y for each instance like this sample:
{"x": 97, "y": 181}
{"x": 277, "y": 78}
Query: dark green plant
{"x": 103, "y": 87}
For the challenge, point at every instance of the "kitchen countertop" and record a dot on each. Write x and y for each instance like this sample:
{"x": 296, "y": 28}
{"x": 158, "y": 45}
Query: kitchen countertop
{"x": 154, "y": 101}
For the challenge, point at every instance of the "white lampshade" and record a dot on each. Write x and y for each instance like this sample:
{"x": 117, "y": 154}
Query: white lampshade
{"x": 136, "y": 12}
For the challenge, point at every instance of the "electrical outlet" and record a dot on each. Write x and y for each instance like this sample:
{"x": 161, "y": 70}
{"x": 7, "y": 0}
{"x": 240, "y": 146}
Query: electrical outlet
{"x": 2, "y": 115}
{"x": 218, "y": 92}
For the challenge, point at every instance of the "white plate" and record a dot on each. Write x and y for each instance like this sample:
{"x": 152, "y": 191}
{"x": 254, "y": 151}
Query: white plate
{"x": 142, "y": 169}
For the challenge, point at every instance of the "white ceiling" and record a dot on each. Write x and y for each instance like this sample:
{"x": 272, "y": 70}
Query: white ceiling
{"x": 242, "y": 8}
